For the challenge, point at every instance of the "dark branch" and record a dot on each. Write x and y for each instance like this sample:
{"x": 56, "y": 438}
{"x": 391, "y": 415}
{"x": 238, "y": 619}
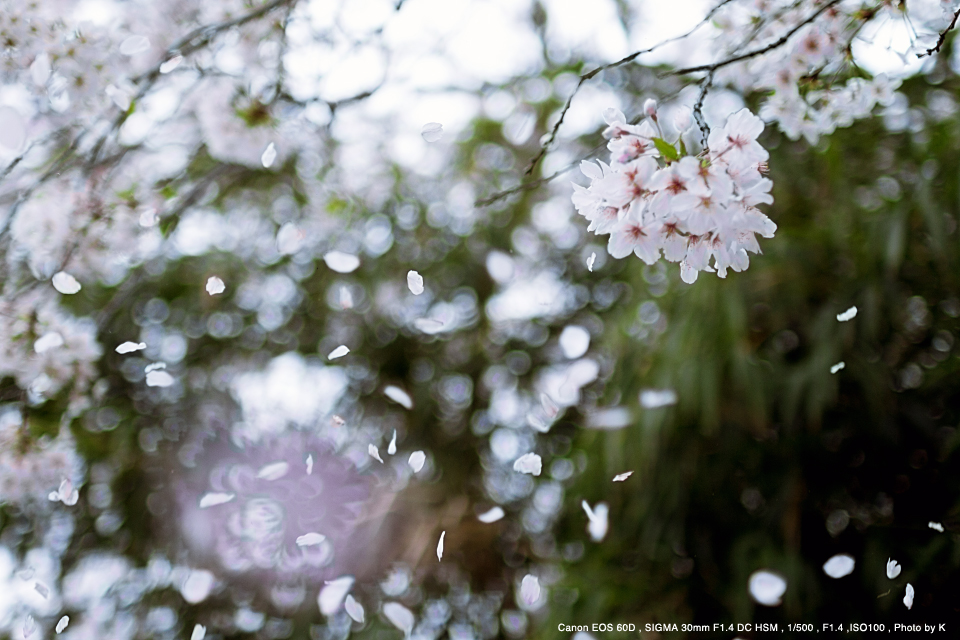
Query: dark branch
{"x": 698, "y": 108}
{"x": 782, "y": 40}
{"x": 588, "y": 76}
{"x": 943, "y": 37}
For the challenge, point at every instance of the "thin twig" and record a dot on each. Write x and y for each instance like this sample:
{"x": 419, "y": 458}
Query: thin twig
{"x": 588, "y": 76}
{"x": 942, "y": 38}
{"x": 698, "y": 108}
{"x": 782, "y": 40}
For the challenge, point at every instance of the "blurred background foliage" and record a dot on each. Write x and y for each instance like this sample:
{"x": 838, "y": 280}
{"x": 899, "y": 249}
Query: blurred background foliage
{"x": 766, "y": 461}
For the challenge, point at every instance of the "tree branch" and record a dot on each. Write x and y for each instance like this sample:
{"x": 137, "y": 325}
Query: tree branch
{"x": 943, "y": 37}
{"x": 588, "y": 76}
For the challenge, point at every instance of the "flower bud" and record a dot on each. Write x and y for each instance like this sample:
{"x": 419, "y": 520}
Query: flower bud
{"x": 650, "y": 108}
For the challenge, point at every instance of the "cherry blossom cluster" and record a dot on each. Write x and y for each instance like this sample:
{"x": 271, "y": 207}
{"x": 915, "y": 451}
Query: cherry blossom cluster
{"x": 814, "y": 87}
{"x": 699, "y": 210}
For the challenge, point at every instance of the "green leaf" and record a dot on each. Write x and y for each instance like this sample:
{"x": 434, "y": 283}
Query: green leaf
{"x": 667, "y": 150}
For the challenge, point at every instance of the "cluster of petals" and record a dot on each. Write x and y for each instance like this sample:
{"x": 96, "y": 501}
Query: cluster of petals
{"x": 699, "y": 211}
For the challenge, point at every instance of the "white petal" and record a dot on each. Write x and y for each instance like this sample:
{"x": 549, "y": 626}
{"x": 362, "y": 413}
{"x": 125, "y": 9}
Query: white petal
{"x": 401, "y": 617}
{"x": 399, "y": 396}
{"x": 333, "y": 593}
{"x": 432, "y": 131}
{"x": 133, "y": 45}
{"x": 197, "y": 586}
{"x": 837, "y": 367}
{"x": 529, "y": 589}
{"x": 392, "y": 447}
{"x": 159, "y": 379}
{"x": 574, "y": 341}
{"x": 440, "y": 546}
{"x": 269, "y": 155}
{"x": 597, "y": 527}
{"x": 213, "y": 499}
{"x": 65, "y": 283}
{"x": 309, "y": 464}
{"x": 48, "y": 341}
{"x": 893, "y": 568}
{"x": 346, "y": 298}
{"x": 849, "y": 314}
{"x": 199, "y": 632}
{"x": 339, "y": 352}
{"x": 29, "y": 626}
{"x": 586, "y": 507}
{"x": 656, "y": 398}
{"x": 354, "y": 609}
{"x": 591, "y": 261}
{"x": 492, "y": 515}
{"x": 620, "y": 477}
{"x": 341, "y": 262}
{"x": 62, "y": 624}
{"x": 171, "y": 64}
{"x": 154, "y": 366}
{"x": 415, "y": 282}
{"x": 130, "y": 347}
{"x": 839, "y": 566}
{"x": 528, "y": 463}
{"x": 215, "y": 285}
{"x": 549, "y": 406}
{"x": 767, "y": 587}
{"x": 374, "y": 453}
{"x": 42, "y": 589}
{"x": 416, "y": 460}
{"x": 908, "y": 598}
{"x": 273, "y": 471}
{"x": 936, "y": 526}
{"x": 310, "y": 539}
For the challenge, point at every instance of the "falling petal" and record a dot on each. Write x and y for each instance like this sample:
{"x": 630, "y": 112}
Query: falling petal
{"x": 401, "y": 617}
{"x": 133, "y": 45}
{"x": 213, "y": 499}
{"x": 269, "y": 155}
{"x": 492, "y": 515}
{"x": 273, "y": 471}
{"x": 154, "y": 366}
{"x": 893, "y": 568}
{"x": 159, "y": 379}
{"x": 310, "y": 539}
{"x": 47, "y": 342}
{"x": 62, "y": 624}
{"x": 598, "y": 520}
{"x": 197, "y": 586}
{"x": 440, "y": 546}
{"x": 767, "y": 587}
{"x": 130, "y": 347}
{"x": 399, "y": 396}
{"x": 849, "y": 314}
{"x": 549, "y": 406}
{"x": 591, "y": 261}
{"x": 29, "y": 626}
{"x": 333, "y": 593}
{"x": 908, "y": 598}
{"x": 432, "y": 131}
{"x": 42, "y": 589}
{"x": 574, "y": 341}
{"x": 528, "y": 463}
{"x": 339, "y": 352}
{"x": 309, "y": 464}
{"x": 538, "y": 424}
{"x": 171, "y": 64}
{"x": 586, "y": 507}
{"x": 199, "y": 632}
{"x": 936, "y": 526}
{"x": 530, "y": 589}
{"x": 415, "y": 282}
{"x": 354, "y": 609}
{"x": 374, "y": 453}
{"x": 392, "y": 447}
{"x": 839, "y": 566}
{"x": 215, "y": 285}
{"x": 656, "y": 398}
{"x": 620, "y": 477}
{"x": 346, "y": 299}
{"x": 65, "y": 283}
{"x": 341, "y": 262}
{"x": 837, "y": 367}
{"x": 416, "y": 460}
